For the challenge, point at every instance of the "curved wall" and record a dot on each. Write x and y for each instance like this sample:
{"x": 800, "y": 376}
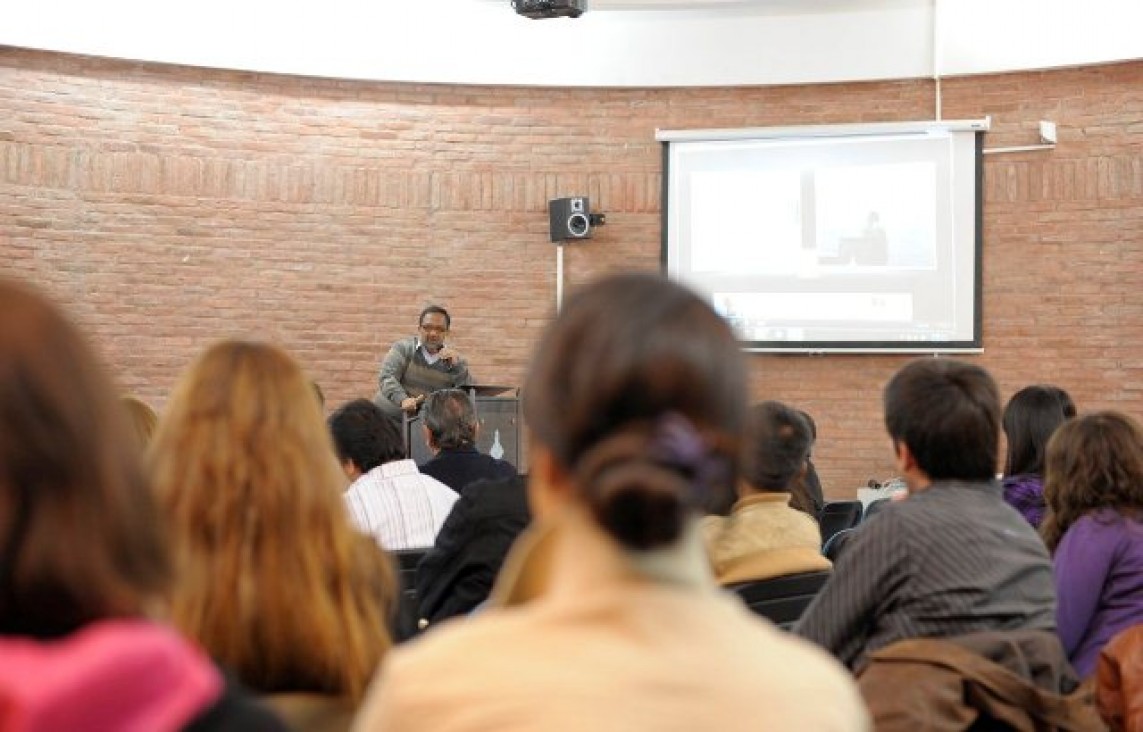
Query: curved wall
{"x": 170, "y": 206}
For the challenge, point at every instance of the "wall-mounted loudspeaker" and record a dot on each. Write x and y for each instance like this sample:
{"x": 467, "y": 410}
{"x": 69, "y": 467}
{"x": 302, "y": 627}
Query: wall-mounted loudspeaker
{"x": 570, "y": 218}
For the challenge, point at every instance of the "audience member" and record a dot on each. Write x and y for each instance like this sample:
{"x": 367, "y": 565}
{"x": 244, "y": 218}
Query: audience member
{"x": 419, "y": 365}
{"x": 952, "y": 558}
{"x": 142, "y": 420}
{"x": 1094, "y": 527}
{"x": 272, "y": 580}
{"x": 1030, "y": 418}
{"x": 389, "y": 499}
{"x": 450, "y": 431}
{"x": 634, "y": 401}
{"x": 764, "y": 536}
{"x": 806, "y": 490}
{"x": 85, "y": 567}
{"x": 457, "y": 573}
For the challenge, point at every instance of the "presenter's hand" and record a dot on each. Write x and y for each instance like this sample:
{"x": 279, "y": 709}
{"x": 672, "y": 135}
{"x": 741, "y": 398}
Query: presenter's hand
{"x": 410, "y": 404}
{"x": 449, "y": 354}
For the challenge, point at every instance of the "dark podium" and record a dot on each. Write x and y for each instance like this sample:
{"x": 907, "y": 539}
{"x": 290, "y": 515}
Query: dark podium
{"x": 497, "y": 413}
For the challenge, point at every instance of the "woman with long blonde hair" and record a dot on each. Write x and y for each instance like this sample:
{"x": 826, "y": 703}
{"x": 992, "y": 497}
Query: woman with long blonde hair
{"x": 271, "y": 578}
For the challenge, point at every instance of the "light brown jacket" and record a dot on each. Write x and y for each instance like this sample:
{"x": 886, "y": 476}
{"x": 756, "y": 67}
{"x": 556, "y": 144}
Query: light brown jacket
{"x": 762, "y": 538}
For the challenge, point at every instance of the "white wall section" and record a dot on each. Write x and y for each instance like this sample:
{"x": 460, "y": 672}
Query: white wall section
{"x": 641, "y": 43}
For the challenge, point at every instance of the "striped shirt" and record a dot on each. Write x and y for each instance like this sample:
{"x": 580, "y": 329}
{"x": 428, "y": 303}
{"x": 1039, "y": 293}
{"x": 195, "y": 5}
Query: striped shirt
{"x": 949, "y": 560}
{"x": 399, "y": 507}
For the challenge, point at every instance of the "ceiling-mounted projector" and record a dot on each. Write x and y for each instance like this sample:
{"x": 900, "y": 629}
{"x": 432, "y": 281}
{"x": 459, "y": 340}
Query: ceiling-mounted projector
{"x": 550, "y": 8}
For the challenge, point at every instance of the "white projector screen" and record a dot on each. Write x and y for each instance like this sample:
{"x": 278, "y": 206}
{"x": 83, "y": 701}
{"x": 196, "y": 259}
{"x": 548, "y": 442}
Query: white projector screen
{"x": 840, "y": 238}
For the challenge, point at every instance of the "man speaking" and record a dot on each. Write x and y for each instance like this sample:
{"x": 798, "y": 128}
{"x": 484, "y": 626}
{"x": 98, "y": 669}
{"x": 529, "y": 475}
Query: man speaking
{"x": 419, "y": 365}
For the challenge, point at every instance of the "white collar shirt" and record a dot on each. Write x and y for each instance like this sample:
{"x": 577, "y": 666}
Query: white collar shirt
{"x": 398, "y": 506}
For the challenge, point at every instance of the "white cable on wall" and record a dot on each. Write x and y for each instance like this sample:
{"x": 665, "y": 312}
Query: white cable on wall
{"x": 937, "y": 54}
{"x": 559, "y": 276}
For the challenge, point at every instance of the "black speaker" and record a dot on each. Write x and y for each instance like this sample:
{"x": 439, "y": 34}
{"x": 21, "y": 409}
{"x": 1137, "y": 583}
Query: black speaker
{"x": 569, "y": 218}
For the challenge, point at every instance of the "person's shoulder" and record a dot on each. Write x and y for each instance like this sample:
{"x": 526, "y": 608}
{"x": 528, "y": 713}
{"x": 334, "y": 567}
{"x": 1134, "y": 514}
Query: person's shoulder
{"x": 713, "y": 524}
{"x": 504, "y": 468}
{"x": 460, "y": 662}
{"x": 1103, "y": 522}
{"x": 461, "y": 641}
{"x": 433, "y": 485}
{"x": 404, "y": 345}
{"x": 506, "y": 485}
{"x": 433, "y": 464}
{"x": 369, "y": 485}
{"x": 776, "y": 662}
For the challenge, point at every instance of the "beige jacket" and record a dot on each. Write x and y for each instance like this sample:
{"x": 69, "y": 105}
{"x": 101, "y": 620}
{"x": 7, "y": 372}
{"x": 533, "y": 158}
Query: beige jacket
{"x": 762, "y": 538}
{"x": 589, "y": 637}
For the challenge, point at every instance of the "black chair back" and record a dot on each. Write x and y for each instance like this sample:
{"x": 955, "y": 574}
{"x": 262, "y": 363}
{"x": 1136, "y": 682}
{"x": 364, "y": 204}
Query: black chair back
{"x": 874, "y": 507}
{"x": 838, "y": 515}
{"x": 833, "y": 548}
{"x": 782, "y": 600}
{"x": 408, "y": 609}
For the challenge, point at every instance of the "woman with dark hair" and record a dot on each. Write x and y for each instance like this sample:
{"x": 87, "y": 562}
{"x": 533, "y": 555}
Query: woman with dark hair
{"x": 1030, "y": 418}
{"x": 806, "y": 491}
{"x": 606, "y": 615}
{"x": 273, "y": 581}
{"x": 1094, "y": 528}
{"x": 765, "y": 535}
{"x": 85, "y": 568}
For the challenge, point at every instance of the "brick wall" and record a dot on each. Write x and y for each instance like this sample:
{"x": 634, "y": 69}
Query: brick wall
{"x": 168, "y": 207}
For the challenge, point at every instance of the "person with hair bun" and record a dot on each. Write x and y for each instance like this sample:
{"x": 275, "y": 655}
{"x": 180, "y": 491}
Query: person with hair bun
{"x": 606, "y": 616}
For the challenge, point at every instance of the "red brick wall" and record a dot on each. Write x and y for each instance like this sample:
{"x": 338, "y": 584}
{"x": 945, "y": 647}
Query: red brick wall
{"x": 171, "y": 206}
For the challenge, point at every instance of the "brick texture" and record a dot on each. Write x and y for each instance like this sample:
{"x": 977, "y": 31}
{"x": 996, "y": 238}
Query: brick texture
{"x": 168, "y": 207}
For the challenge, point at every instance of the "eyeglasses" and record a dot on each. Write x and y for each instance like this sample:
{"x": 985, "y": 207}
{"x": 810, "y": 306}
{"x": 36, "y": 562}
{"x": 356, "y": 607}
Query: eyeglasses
{"x": 434, "y": 328}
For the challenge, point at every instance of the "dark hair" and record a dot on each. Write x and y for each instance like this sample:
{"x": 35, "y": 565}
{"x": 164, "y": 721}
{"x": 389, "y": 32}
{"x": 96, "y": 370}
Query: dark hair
{"x": 450, "y": 418}
{"x": 80, "y": 532}
{"x": 1094, "y": 461}
{"x": 810, "y": 421}
{"x": 948, "y": 414}
{"x": 364, "y": 434}
{"x": 1030, "y": 418}
{"x": 1066, "y": 404}
{"x": 636, "y": 389}
{"x": 435, "y": 309}
{"x": 778, "y": 441}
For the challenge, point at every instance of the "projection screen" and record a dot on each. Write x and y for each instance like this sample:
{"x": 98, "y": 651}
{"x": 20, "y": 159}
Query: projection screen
{"x": 836, "y": 238}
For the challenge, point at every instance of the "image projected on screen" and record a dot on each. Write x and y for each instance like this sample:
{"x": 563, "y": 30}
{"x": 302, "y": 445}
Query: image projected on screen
{"x": 841, "y": 238}
{"x": 877, "y": 216}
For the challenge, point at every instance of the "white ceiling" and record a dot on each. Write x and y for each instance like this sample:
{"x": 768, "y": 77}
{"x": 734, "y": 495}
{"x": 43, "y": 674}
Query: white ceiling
{"x": 764, "y": 6}
{"x": 618, "y": 43}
